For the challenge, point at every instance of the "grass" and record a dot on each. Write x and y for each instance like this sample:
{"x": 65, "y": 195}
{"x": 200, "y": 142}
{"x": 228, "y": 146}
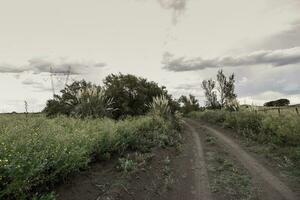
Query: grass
{"x": 228, "y": 179}
{"x": 286, "y": 110}
{"x": 36, "y": 152}
{"x": 278, "y": 136}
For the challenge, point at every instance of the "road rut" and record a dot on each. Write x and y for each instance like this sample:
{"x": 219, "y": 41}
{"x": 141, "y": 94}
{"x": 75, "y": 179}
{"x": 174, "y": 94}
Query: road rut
{"x": 202, "y": 182}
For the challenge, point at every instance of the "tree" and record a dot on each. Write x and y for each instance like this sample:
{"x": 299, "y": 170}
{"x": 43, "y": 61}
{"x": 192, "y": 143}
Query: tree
{"x": 279, "y": 102}
{"x": 229, "y": 89}
{"x": 121, "y": 96}
{"x": 226, "y": 88}
{"x": 189, "y": 104}
{"x": 132, "y": 95}
{"x": 210, "y": 94}
{"x": 221, "y": 78}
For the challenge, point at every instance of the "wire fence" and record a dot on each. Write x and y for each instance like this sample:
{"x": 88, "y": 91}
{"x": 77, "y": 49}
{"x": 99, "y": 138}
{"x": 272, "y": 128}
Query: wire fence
{"x": 281, "y": 110}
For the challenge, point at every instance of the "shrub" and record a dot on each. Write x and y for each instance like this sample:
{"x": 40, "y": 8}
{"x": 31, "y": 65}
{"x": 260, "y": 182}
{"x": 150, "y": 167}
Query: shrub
{"x": 92, "y": 102}
{"x": 37, "y": 152}
{"x": 282, "y": 130}
{"x": 188, "y": 104}
{"x": 80, "y": 99}
{"x": 160, "y": 106}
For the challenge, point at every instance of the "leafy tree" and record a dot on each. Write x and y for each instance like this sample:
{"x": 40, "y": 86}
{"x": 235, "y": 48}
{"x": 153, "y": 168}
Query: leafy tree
{"x": 222, "y": 80}
{"x": 226, "y": 88}
{"x": 210, "y": 94}
{"x": 229, "y": 91}
{"x": 132, "y": 94}
{"x": 189, "y": 104}
{"x": 279, "y": 102}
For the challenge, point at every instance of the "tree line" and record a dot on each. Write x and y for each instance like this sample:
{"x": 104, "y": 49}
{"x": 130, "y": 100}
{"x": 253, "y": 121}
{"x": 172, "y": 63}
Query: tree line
{"x": 119, "y": 96}
{"x": 127, "y": 95}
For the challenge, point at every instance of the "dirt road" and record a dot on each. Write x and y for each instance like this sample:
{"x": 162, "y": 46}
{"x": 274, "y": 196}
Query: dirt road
{"x": 268, "y": 185}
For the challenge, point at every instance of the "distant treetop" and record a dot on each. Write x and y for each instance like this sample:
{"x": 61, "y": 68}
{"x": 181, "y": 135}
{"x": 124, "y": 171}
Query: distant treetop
{"x": 277, "y": 103}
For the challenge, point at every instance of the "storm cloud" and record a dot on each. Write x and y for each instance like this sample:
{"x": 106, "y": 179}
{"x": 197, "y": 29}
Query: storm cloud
{"x": 177, "y": 7}
{"x": 274, "y": 58}
{"x": 59, "y": 66}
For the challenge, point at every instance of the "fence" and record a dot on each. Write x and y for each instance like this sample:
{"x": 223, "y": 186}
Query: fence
{"x": 281, "y": 110}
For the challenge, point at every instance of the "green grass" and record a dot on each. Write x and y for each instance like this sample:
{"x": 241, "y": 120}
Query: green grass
{"x": 37, "y": 152}
{"x": 283, "y": 130}
{"x": 287, "y": 110}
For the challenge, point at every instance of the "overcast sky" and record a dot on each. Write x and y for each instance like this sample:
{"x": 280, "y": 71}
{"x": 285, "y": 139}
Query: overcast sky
{"x": 176, "y": 43}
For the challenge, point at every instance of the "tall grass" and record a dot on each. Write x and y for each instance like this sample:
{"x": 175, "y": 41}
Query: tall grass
{"x": 281, "y": 134}
{"x": 283, "y": 130}
{"x": 38, "y": 152}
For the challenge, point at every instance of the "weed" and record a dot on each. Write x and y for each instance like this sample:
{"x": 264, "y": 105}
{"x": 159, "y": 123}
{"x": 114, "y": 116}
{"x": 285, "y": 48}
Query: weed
{"x": 211, "y": 139}
{"x": 37, "y": 152}
{"x": 126, "y": 165}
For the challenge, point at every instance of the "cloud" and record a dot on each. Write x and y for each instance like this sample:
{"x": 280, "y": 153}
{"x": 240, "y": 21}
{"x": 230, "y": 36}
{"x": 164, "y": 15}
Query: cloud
{"x": 36, "y": 85}
{"x": 177, "y": 7}
{"x": 285, "y": 39}
{"x": 281, "y": 80}
{"x": 188, "y": 86}
{"x": 274, "y": 58}
{"x": 8, "y": 68}
{"x": 59, "y": 66}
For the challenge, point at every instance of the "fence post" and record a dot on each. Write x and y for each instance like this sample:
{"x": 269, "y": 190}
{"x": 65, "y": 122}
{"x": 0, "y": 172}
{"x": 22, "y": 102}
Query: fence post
{"x": 297, "y": 111}
{"x": 279, "y": 111}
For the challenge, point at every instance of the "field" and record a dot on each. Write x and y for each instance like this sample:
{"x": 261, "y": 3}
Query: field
{"x": 37, "y": 152}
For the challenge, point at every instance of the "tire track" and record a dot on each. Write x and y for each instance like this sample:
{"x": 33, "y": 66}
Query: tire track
{"x": 272, "y": 187}
{"x": 202, "y": 181}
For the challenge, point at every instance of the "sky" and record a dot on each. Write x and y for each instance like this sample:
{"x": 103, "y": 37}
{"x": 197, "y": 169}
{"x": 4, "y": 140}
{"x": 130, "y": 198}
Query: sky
{"x": 177, "y": 43}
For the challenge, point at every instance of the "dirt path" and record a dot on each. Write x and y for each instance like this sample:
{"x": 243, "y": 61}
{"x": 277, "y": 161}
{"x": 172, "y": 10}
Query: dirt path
{"x": 202, "y": 182}
{"x": 270, "y": 185}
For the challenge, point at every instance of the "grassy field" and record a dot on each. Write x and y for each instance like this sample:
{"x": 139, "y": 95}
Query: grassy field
{"x": 286, "y": 110}
{"x": 36, "y": 152}
{"x": 277, "y": 136}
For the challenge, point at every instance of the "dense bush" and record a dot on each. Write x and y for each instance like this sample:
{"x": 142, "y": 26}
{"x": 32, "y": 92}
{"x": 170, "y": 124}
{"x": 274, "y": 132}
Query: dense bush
{"x": 119, "y": 97}
{"x": 80, "y": 99}
{"x": 132, "y": 95}
{"x": 36, "y": 152}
